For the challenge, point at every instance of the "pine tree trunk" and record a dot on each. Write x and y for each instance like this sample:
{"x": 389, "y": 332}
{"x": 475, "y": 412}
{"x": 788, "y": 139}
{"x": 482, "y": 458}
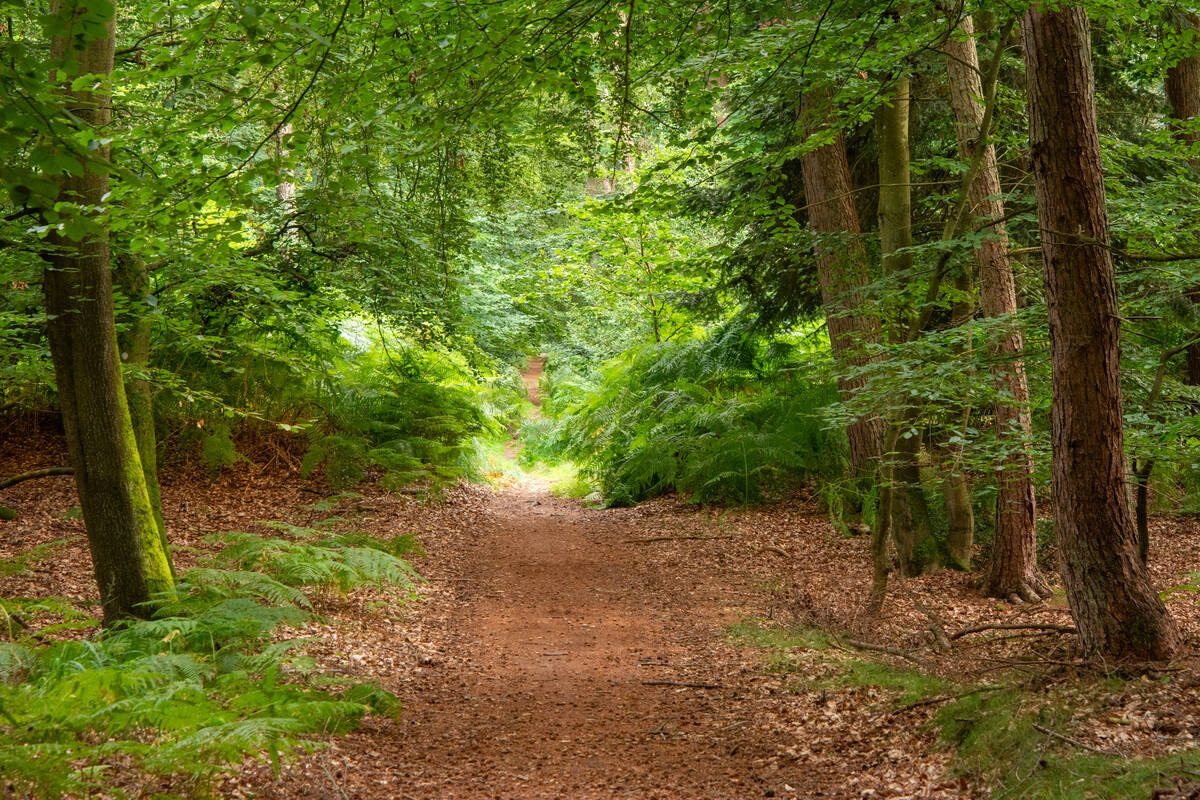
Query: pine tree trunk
{"x": 1116, "y": 610}
{"x": 130, "y": 564}
{"x": 842, "y": 272}
{"x": 1182, "y": 87}
{"x": 1013, "y": 570}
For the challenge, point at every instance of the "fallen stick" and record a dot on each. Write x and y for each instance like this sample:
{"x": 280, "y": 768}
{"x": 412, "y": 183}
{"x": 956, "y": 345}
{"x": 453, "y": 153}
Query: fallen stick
{"x": 36, "y": 473}
{"x": 1076, "y": 742}
{"x": 673, "y": 539}
{"x": 881, "y": 648}
{"x": 1030, "y": 627}
{"x": 683, "y": 685}
{"x": 944, "y": 698}
{"x": 935, "y": 627}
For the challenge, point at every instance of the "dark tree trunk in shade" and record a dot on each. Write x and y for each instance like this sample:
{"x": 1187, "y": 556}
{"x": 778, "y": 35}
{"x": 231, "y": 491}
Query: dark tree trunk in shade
{"x": 130, "y": 564}
{"x": 1182, "y": 86}
{"x": 842, "y": 271}
{"x": 1012, "y": 571}
{"x": 910, "y": 526}
{"x": 1116, "y": 610}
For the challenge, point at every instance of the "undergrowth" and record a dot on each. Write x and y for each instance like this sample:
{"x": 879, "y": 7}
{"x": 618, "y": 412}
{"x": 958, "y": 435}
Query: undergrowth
{"x": 168, "y": 705}
{"x": 997, "y": 732}
{"x": 723, "y": 417}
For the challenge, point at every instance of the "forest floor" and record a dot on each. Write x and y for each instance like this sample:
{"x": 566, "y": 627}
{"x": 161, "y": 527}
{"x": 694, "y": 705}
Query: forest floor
{"x": 560, "y": 651}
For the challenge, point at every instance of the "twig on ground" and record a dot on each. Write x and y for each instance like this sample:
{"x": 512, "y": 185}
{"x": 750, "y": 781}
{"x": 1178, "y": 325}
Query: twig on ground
{"x": 882, "y": 648}
{"x": 943, "y": 698}
{"x": 35, "y": 473}
{"x": 1076, "y": 742}
{"x": 1029, "y": 627}
{"x": 673, "y": 539}
{"x": 940, "y": 640}
{"x": 683, "y": 685}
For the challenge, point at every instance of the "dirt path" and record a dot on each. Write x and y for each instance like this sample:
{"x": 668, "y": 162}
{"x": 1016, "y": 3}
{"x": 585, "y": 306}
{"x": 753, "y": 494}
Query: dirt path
{"x": 559, "y": 656}
{"x": 559, "y": 637}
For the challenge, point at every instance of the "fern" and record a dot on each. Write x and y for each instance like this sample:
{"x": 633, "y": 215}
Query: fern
{"x": 725, "y": 417}
{"x": 201, "y": 681}
{"x": 328, "y": 563}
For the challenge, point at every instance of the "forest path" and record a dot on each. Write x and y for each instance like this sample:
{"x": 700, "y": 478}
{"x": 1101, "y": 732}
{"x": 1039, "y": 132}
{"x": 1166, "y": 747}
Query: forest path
{"x": 559, "y": 654}
{"x": 571, "y": 664}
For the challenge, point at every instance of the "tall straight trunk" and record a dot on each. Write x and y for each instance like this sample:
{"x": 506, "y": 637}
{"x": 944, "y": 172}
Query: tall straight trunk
{"x": 1013, "y": 570}
{"x": 129, "y": 560}
{"x": 910, "y": 526}
{"x": 956, "y": 485}
{"x": 133, "y": 345}
{"x": 1116, "y": 609}
{"x": 842, "y": 272}
{"x": 1182, "y": 86}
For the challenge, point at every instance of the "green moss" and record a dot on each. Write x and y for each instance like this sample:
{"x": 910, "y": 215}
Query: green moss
{"x": 778, "y": 637}
{"x": 156, "y": 563}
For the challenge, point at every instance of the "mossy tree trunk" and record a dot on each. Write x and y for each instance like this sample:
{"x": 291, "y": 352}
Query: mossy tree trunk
{"x": 1116, "y": 610}
{"x": 909, "y": 524}
{"x": 130, "y": 563}
{"x": 1013, "y": 570}
{"x": 133, "y": 345}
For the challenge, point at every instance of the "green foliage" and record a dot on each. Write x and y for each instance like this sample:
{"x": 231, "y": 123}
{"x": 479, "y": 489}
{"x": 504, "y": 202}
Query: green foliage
{"x": 992, "y": 730}
{"x": 722, "y": 417}
{"x": 217, "y": 449}
{"x": 34, "y": 555}
{"x": 191, "y": 693}
{"x": 318, "y": 559}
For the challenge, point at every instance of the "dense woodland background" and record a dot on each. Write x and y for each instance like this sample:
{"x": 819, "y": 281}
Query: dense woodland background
{"x": 936, "y": 262}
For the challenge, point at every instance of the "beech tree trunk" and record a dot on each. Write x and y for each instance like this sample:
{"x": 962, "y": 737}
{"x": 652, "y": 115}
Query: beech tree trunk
{"x": 133, "y": 347}
{"x": 842, "y": 272}
{"x": 1013, "y": 570}
{"x": 910, "y": 526}
{"x": 1116, "y": 610}
{"x": 956, "y": 485}
{"x": 129, "y": 560}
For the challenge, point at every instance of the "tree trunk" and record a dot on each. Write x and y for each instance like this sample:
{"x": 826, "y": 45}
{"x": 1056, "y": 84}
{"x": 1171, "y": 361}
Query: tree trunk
{"x": 1013, "y": 570}
{"x": 911, "y": 529}
{"x": 129, "y": 561}
{"x": 956, "y": 485}
{"x": 842, "y": 272}
{"x": 133, "y": 345}
{"x": 910, "y": 525}
{"x": 1182, "y": 86}
{"x": 1116, "y": 610}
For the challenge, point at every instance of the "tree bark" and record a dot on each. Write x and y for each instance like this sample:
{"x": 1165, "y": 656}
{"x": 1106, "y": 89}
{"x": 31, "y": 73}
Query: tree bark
{"x": 1012, "y": 571}
{"x": 1182, "y": 87}
{"x": 133, "y": 346}
{"x": 842, "y": 272}
{"x": 910, "y": 526}
{"x": 1116, "y": 610}
{"x": 956, "y": 485}
{"x": 130, "y": 563}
